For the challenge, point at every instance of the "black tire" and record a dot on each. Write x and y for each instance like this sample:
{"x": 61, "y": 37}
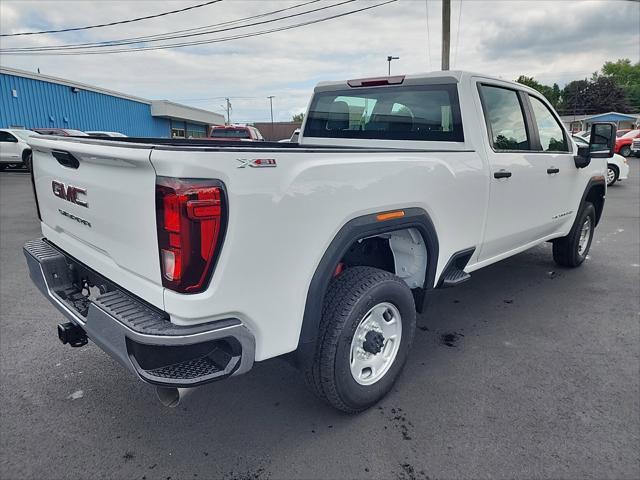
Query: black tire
{"x": 566, "y": 251}
{"x": 616, "y": 173}
{"x": 625, "y": 151}
{"x": 349, "y": 297}
{"x": 27, "y": 160}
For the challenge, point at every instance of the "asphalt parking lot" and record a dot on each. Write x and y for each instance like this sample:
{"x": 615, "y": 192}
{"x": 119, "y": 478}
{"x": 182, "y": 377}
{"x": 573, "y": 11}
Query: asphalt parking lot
{"x": 527, "y": 370}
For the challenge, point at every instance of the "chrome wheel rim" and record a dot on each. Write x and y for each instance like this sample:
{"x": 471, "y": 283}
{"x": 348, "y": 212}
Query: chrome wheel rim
{"x": 585, "y": 234}
{"x": 611, "y": 176}
{"x": 375, "y": 343}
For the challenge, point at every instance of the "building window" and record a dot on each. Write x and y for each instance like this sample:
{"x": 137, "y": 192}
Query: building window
{"x": 177, "y": 133}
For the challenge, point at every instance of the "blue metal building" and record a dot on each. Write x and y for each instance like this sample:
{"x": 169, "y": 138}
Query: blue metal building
{"x": 32, "y": 100}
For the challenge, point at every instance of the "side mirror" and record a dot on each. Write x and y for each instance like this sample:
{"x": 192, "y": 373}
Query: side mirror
{"x": 601, "y": 144}
{"x": 602, "y": 140}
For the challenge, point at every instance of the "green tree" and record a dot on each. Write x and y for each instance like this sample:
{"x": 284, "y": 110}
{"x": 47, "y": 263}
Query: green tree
{"x": 627, "y": 76}
{"x": 573, "y": 99}
{"x": 298, "y": 117}
{"x": 552, "y": 94}
{"x": 603, "y": 94}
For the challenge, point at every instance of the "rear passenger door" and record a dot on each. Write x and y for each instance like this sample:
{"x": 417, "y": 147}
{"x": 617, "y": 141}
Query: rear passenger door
{"x": 518, "y": 198}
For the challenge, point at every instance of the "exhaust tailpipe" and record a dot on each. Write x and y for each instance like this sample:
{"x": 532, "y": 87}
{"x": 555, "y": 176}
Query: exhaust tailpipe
{"x": 171, "y": 397}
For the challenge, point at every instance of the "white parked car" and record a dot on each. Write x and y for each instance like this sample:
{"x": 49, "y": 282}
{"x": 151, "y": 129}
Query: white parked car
{"x": 188, "y": 261}
{"x": 617, "y": 165}
{"x": 14, "y": 149}
{"x": 101, "y": 133}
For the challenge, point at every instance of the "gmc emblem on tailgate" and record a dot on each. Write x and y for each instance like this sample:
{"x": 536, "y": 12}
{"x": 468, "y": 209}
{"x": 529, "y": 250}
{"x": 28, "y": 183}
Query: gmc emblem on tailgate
{"x": 69, "y": 193}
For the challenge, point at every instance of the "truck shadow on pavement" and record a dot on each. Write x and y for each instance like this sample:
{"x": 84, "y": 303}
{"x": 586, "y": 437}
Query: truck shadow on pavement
{"x": 247, "y": 426}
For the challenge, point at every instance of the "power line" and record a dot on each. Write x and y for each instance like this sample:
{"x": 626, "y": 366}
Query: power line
{"x": 203, "y": 42}
{"x": 88, "y": 27}
{"x": 168, "y": 35}
{"x": 228, "y": 22}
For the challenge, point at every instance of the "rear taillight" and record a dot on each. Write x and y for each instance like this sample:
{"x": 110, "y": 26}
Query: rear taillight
{"x": 191, "y": 218}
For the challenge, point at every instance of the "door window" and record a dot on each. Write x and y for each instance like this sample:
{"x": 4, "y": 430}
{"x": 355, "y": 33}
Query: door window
{"x": 551, "y": 134}
{"x": 6, "y": 137}
{"x": 505, "y": 118}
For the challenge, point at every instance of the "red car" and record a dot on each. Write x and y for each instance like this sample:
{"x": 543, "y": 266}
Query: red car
{"x": 623, "y": 143}
{"x": 236, "y": 132}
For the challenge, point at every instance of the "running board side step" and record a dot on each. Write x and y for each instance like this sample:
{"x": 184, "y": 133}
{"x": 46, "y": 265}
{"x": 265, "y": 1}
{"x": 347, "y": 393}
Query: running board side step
{"x": 454, "y": 274}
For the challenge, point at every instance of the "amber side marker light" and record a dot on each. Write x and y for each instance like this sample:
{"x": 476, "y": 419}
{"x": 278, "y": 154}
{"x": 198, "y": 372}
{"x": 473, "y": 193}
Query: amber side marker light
{"x": 381, "y": 217}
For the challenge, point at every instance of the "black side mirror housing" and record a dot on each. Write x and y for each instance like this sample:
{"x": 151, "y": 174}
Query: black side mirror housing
{"x": 602, "y": 142}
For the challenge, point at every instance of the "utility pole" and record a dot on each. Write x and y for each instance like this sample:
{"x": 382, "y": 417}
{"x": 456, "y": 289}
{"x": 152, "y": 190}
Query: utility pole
{"x": 271, "y": 97}
{"x": 446, "y": 26}
{"x": 228, "y": 110}
{"x": 389, "y": 58}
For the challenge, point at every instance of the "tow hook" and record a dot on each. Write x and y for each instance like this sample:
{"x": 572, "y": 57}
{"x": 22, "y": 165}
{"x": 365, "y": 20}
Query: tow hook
{"x": 72, "y": 334}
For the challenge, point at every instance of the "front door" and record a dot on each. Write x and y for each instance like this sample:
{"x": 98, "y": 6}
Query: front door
{"x": 563, "y": 189}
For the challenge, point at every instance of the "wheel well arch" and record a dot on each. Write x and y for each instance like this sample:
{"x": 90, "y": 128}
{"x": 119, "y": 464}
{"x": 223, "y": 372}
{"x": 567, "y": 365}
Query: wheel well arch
{"x": 359, "y": 228}
{"x": 25, "y": 152}
{"x": 595, "y": 193}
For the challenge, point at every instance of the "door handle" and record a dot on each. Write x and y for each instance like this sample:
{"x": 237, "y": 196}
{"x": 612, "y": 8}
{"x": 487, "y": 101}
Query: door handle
{"x": 502, "y": 174}
{"x": 553, "y": 170}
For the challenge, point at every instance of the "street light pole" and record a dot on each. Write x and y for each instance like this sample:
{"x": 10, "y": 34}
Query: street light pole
{"x": 271, "y": 97}
{"x": 389, "y": 58}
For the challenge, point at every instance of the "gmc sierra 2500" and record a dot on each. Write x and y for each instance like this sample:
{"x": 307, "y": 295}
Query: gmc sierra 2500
{"x": 189, "y": 260}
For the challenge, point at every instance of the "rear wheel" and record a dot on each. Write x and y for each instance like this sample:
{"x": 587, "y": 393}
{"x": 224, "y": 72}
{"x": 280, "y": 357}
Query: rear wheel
{"x": 612, "y": 174}
{"x": 571, "y": 251}
{"x": 367, "y": 328}
{"x": 625, "y": 151}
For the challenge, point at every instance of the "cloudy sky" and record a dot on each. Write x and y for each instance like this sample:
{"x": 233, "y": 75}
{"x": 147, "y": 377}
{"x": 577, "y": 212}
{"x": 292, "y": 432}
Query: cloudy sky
{"x": 554, "y": 41}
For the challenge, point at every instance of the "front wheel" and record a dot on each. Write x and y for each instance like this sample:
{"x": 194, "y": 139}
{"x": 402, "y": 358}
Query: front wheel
{"x": 27, "y": 161}
{"x": 571, "y": 251}
{"x": 625, "y": 151}
{"x": 367, "y": 328}
{"x": 612, "y": 174}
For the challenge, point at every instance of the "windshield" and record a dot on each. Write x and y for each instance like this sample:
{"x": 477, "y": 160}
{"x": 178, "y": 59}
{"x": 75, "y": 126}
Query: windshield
{"x": 631, "y": 134}
{"x": 24, "y": 134}
{"x": 230, "y": 133}
{"x": 428, "y": 112}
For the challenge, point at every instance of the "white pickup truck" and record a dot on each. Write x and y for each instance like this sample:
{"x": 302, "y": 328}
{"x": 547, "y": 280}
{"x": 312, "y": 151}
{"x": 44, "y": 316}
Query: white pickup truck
{"x": 189, "y": 260}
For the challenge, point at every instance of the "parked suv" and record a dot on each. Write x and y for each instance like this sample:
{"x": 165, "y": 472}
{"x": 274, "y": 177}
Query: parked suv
{"x": 623, "y": 143}
{"x": 187, "y": 263}
{"x": 14, "y": 149}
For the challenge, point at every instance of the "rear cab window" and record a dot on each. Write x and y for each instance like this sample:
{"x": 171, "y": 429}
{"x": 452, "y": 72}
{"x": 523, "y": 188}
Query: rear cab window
{"x": 416, "y": 112}
{"x": 230, "y": 133}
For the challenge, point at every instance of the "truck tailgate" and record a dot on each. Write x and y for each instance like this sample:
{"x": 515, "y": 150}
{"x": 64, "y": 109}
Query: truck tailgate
{"x": 97, "y": 203}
